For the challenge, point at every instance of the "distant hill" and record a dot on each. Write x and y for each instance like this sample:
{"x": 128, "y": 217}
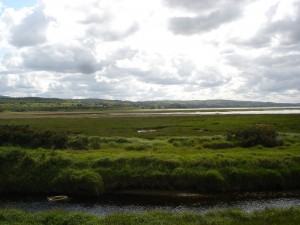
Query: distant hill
{"x": 218, "y": 104}
{"x": 55, "y": 104}
{"x": 170, "y": 104}
{"x": 29, "y": 100}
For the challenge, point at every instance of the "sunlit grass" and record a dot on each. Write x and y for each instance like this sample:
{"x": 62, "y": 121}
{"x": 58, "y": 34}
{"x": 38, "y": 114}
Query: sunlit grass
{"x": 160, "y": 166}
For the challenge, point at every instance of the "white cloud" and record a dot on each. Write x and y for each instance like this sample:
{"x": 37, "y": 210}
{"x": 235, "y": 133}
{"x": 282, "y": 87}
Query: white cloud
{"x": 149, "y": 50}
{"x": 70, "y": 58}
{"x": 31, "y": 30}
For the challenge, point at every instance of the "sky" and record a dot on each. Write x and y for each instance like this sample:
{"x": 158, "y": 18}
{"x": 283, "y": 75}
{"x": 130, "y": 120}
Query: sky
{"x": 151, "y": 50}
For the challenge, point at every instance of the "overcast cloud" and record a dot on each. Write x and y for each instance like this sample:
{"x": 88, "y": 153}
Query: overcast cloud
{"x": 210, "y": 15}
{"x": 31, "y": 30}
{"x": 151, "y": 50}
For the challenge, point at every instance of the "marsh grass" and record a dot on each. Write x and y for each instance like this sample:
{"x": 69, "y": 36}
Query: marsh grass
{"x": 169, "y": 126}
{"x": 163, "y": 167}
{"x": 218, "y": 144}
{"x": 98, "y": 159}
{"x": 289, "y": 216}
{"x": 78, "y": 181}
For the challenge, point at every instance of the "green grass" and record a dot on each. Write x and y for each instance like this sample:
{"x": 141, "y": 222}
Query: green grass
{"x": 229, "y": 217}
{"x": 177, "y": 156}
{"x": 185, "y": 153}
{"x": 149, "y": 164}
{"x": 165, "y": 126}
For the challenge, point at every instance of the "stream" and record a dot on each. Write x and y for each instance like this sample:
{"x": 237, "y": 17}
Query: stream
{"x": 135, "y": 203}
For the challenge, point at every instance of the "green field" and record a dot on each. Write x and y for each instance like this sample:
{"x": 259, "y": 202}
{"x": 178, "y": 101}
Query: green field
{"x": 101, "y": 153}
{"x": 184, "y": 153}
{"x": 106, "y": 125}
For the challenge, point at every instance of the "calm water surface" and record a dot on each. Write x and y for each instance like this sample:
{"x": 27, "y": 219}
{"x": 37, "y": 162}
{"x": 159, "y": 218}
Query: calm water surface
{"x": 137, "y": 204}
{"x": 216, "y": 112}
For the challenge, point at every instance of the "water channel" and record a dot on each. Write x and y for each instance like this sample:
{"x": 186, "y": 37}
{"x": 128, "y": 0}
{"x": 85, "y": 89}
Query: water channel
{"x": 128, "y": 203}
{"x": 176, "y": 203}
{"x": 214, "y": 112}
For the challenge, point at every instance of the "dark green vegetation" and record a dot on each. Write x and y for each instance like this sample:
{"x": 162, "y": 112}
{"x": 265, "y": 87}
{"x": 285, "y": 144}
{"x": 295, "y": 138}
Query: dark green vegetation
{"x": 184, "y": 153}
{"x": 230, "y": 217}
{"x": 25, "y": 136}
{"x": 164, "y": 125}
{"x": 155, "y": 167}
{"x": 91, "y": 151}
{"x": 256, "y": 135}
{"x": 52, "y": 104}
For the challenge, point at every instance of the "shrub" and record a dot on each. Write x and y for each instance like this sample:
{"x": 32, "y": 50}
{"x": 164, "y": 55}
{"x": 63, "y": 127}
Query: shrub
{"x": 78, "y": 142}
{"x": 94, "y": 142}
{"x": 53, "y": 140}
{"x": 253, "y": 136}
{"x": 4, "y": 135}
{"x": 83, "y": 182}
{"x": 25, "y": 136}
{"x": 20, "y": 135}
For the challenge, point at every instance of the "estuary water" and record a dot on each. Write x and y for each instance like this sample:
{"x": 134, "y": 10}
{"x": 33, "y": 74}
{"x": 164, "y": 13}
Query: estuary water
{"x": 216, "y": 111}
{"x": 137, "y": 204}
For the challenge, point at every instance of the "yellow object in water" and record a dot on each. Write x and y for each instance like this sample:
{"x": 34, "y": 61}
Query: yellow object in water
{"x": 57, "y": 198}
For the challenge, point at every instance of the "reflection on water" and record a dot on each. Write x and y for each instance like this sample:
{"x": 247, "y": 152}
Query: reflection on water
{"x": 285, "y": 111}
{"x": 131, "y": 203}
{"x": 216, "y": 112}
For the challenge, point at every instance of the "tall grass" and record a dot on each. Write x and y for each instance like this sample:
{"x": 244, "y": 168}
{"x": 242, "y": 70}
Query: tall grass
{"x": 174, "y": 157}
{"x": 229, "y": 217}
{"x": 103, "y": 171}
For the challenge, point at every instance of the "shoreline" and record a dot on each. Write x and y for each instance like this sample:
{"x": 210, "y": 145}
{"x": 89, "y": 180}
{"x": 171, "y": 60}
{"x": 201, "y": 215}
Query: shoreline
{"x": 229, "y": 217}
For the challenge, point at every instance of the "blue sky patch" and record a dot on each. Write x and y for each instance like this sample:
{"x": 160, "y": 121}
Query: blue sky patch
{"x": 18, "y": 4}
{"x": 1, "y": 53}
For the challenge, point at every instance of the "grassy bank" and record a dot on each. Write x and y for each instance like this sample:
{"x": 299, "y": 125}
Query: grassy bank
{"x": 184, "y": 153}
{"x": 230, "y": 217}
{"x": 158, "y": 166}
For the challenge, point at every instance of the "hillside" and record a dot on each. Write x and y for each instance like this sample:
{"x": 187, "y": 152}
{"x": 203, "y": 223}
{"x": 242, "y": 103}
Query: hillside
{"x": 55, "y": 104}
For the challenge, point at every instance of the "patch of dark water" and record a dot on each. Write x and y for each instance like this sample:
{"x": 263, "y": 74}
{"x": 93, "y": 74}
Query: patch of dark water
{"x": 138, "y": 203}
